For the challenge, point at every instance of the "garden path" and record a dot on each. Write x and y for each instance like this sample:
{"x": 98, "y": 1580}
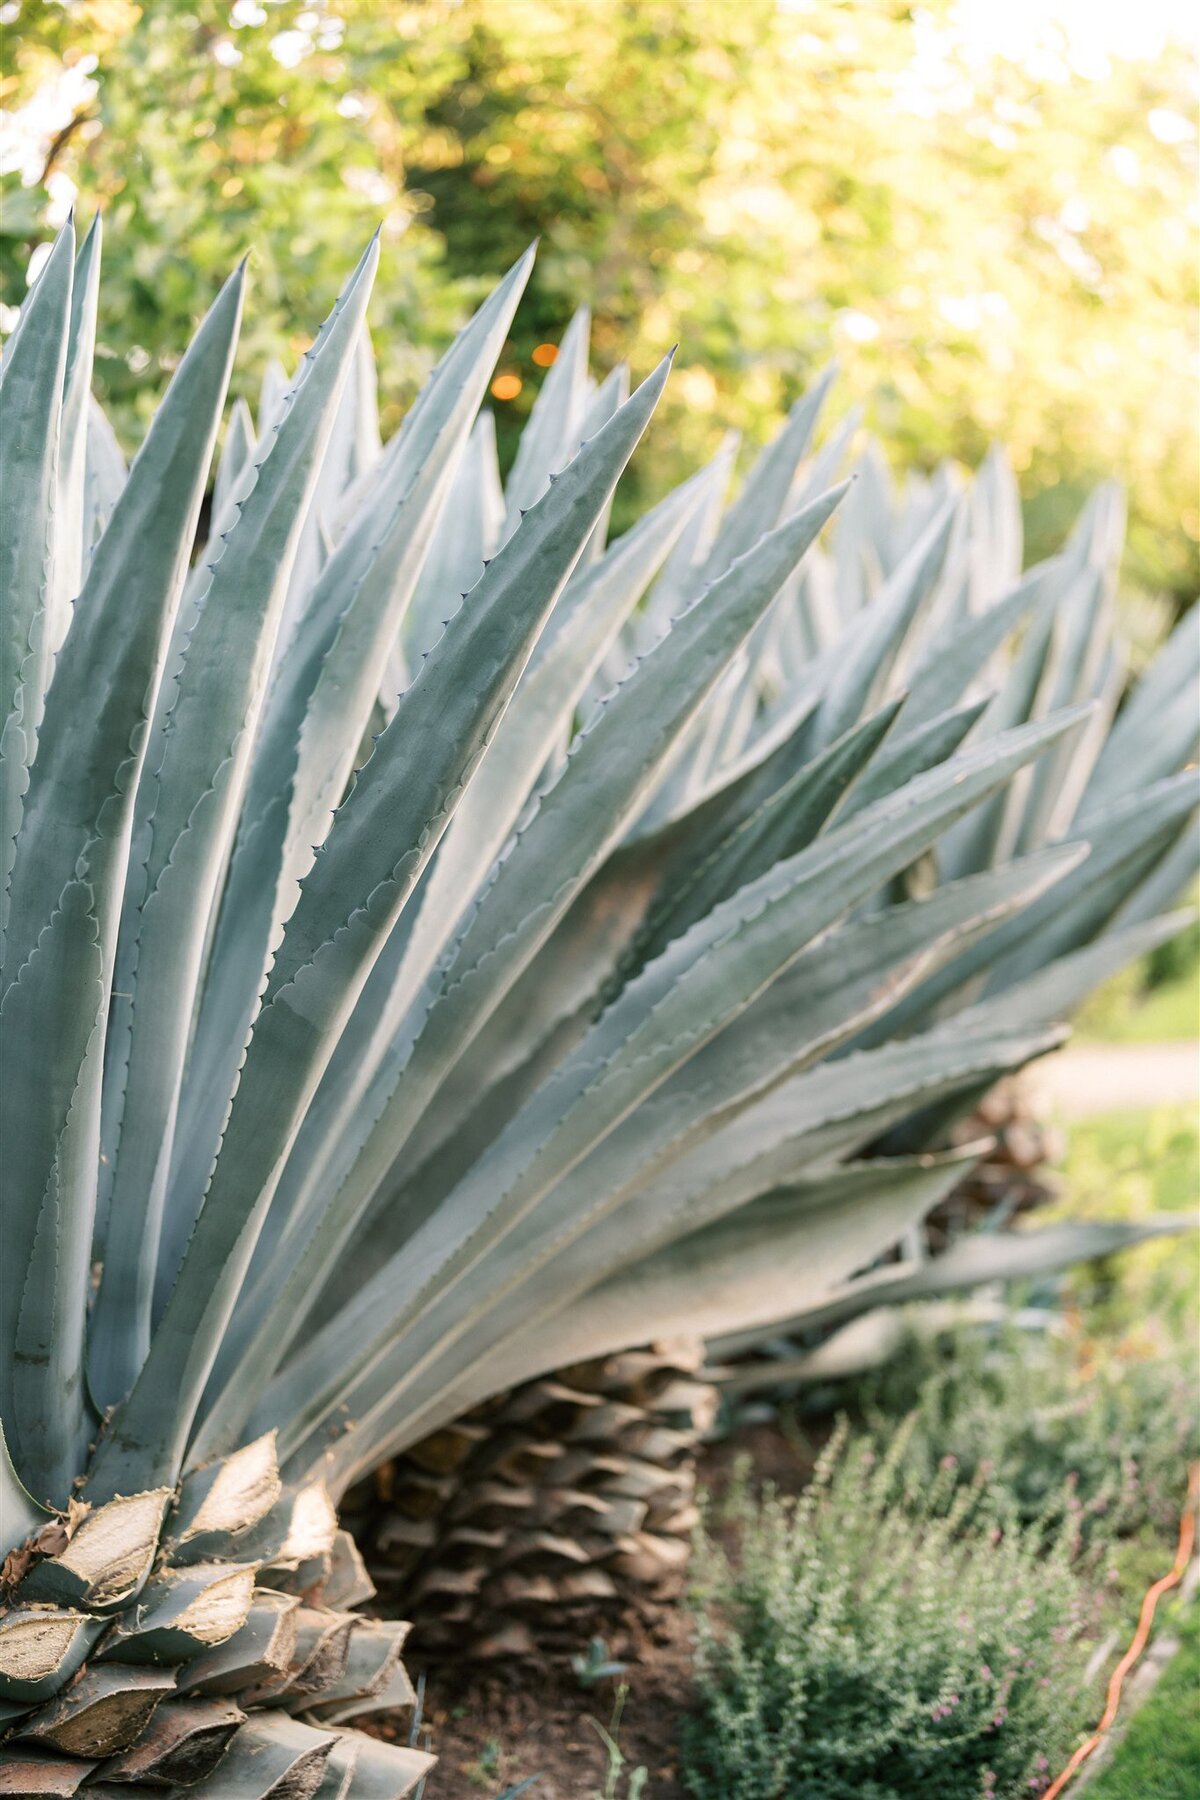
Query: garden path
{"x": 1085, "y": 1079}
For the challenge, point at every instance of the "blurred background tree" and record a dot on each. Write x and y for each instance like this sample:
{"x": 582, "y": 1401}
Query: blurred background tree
{"x": 986, "y": 212}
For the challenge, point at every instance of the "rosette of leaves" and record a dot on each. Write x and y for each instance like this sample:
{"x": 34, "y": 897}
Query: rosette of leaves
{"x": 382, "y": 1027}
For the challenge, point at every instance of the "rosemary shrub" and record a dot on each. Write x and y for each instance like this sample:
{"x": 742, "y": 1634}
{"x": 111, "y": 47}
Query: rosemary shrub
{"x": 881, "y": 1640}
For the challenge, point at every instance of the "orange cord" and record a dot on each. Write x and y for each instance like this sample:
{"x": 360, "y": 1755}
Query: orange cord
{"x": 1187, "y": 1537}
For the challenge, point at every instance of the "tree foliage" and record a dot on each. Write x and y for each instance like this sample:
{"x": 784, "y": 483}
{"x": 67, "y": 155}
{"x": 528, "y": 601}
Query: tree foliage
{"x": 995, "y": 244}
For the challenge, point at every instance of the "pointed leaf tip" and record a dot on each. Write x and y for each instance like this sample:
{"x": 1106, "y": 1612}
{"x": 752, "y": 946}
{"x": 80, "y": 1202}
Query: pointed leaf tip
{"x": 832, "y": 497}
{"x": 647, "y": 392}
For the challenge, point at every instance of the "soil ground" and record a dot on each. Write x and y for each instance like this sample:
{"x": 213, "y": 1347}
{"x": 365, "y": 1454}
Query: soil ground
{"x": 490, "y": 1734}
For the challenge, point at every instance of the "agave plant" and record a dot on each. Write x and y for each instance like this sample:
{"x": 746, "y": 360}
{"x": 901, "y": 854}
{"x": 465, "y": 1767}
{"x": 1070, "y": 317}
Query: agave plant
{"x": 378, "y": 1035}
{"x": 510, "y": 1531}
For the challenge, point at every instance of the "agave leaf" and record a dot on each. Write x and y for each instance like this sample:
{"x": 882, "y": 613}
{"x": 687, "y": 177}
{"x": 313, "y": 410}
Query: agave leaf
{"x": 20, "y": 1515}
{"x": 1157, "y": 730}
{"x": 315, "y": 716}
{"x": 272, "y": 393}
{"x": 712, "y": 813}
{"x": 1128, "y": 838}
{"x": 867, "y": 1342}
{"x": 985, "y": 1256}
{"x": 695, "y": 1102}
{"x": 467, "y": 535}
{"x": 335, "y": 491}
{"x": 612, "y": 392}
{"x": 1125, "y": 843}
{"x": 868, "y": 651}
{"x": 678, "y": 584}
{"x": 50, "y": 1162}
{"x": 1077, "y": 656}
{"x": 661, "y": 1170}
{"x": 77, "y": 814}
{"x": 31, "y": 381}
{"x": 996, "y": 541}
{"x": 550, "y": 438}
{"x": 195, "y": 779}
{"x": 617, "y": 757}
{"x": 1039, "y": 1000}
{"x": 648, "y": 893}
{"x": 660, "y": 1161}
{"x": 946, "y": 672}
{"x": 104, "y": 477}
{"x": 1055, "y": 990}
{"x": 381, "y": 839}
{"x": 78, "y": 806}
{"x": 819, "y": 1116}
{"x": 1171, "y": 877}
{"x": 540, "y": 1018}
{"x": 70, "y": 499}
{"x": 1107, "y": 686}
{"x": 234, "y": 465}
{"x": 786, "y": 820}
{"x": 804, "y": 1237}
{"x": 758, "y": 509}
{"x": 989, "y": 835}
{"x": 761, "y": 504}
{"x": 851, "y": 976}
{"x": 910, "y": 753}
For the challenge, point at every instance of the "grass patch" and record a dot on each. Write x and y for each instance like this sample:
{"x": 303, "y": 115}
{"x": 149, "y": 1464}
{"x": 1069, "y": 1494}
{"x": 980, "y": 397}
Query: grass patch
{"x": 1159, "y": 1756}
{"x": 1124, "y": 1011}
{"x": 1127, "y": 1166}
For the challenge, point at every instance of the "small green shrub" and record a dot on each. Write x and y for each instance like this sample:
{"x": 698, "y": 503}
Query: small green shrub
{"x": 1158, "y": 1757}
{"x": 872, "y": 1642}
{"x": 1047, "y": 1419}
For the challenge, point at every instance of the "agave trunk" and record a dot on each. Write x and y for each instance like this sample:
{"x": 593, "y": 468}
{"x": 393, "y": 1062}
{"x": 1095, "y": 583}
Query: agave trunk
{"x": 203, "y": 1641}
{"x": 556, "y": 1513}
{"x": 1013, "y": 1179}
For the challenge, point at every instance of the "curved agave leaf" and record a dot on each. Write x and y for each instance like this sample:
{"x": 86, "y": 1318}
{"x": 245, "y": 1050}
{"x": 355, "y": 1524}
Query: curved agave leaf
{"x": 77, "y": 817}
{"x": 103, "y": 478}
{"x": 382, "y": 836}
{"x": 986, "y": 1256}
{"x": 31, "y": 380}
{"x": 70, "y": 499}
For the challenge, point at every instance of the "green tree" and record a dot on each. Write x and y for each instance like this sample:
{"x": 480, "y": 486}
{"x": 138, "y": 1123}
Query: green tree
{"x": 996, "y": 245}
{"x": 204, "y": 130}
